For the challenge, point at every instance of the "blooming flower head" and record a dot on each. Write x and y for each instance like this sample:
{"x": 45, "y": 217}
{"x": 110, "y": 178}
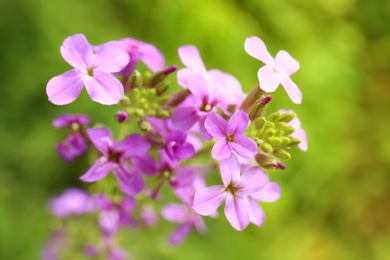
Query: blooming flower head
{"x": 276, "y": 71}
{"x": 73, "y": 146}
{"x": 234, "y": 191}
{"x": 230, "y": 136}
{"x": 72, "y": 202}
{"x": 114, "y": 156}
{"x": 92, "y": 70}
{"x": 299, "y": 131}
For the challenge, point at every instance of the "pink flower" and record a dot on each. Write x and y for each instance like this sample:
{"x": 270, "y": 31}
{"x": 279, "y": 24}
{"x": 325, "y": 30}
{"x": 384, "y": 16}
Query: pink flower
{"x": 72, "y": 202}
{"x": 114, "y": 157}
{"x": 230, "y": 136}
{"x": 234, "y": 192}
{"x": 91, "y": 70}
{"x": 299, "y": 131}
{"x": 276, "y": 71}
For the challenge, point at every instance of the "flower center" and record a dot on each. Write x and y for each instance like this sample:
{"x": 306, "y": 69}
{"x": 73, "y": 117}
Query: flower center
{"x": 230, "y": 138}
{"x": 90, "y": 71}
{"x": 114, "y": 156}
{"x": 276, "y": 70}
{"x": 231, "y": 189}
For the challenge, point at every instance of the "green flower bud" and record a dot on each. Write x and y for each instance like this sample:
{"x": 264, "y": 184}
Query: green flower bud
{"x": 135, "y": 80}
{"x": 294, "y": 141}
{"x": 266, "y": 147}
{"x": 125, "y": 101}
{"x": 265, "y": 161}
{"x": 139, "y": 112}
{"x": 281, "y": 153}
{"x": 269, "y": 132}
{"x": 150, "y": 112}
{"x": 163, "y": 113}
{"x": 146, "y": 78}
{"x": 280, "y": 125}
{"x": 289, "y": 130}
{"x": 260, "y": 122}
{"x": 274, "y": 117}
{"x": 144, "y": 125}
{"x": 287, "y": 117}
{"x": 275, "y": 141}
{"x": 284, "y": 141}
{"x": 161, "y": 87}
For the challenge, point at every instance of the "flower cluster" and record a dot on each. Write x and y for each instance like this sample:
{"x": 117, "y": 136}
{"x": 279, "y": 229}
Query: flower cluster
{"x": 169, "y": 142}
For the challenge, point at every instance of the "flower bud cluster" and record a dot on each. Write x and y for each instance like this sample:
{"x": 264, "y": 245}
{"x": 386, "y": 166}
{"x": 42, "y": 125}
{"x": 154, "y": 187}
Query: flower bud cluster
{"x": 171, "y": 154}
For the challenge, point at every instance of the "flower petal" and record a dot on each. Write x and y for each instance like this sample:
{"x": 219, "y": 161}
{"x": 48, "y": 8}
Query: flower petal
{"x": 130, "y": 181}
{"x": 184, "y": 151}
{"x": 180, "y": 233}
{"x": 174, "y": 212}
{"x": 134, "y": 145}
{"x": 100, "y": 169}
{"x": 177, "y": 136}
{"x": 256, "y": 213}
{"x": 183, "y": 75}
{"x": 236, "y": 211}
{"x": 251, "y": 181}
{"x": 284, "y": 61}
{"x": 238, "y": 123}
{"x": 66, "y": 120}
{"x": 207, "y": 200}
{"x": 111, "y": 57}
{"x": 104, "y": 88}
{"x": 77, "y": 51}
{"x": 199, "y": 87}
{"x": 152, "y": 57}
{"x": 244, "y": 146}
{"x": 269, "y": 80}
{"x": 292, "y": 90}
{"x": 216, "y": 125}
{"x": 221, "y": 149}
{"x": 184, "y": 118}
{"x": 101, "y": 139}
{"x": 65, "y": 88}
{"x": 257, "y": 49}
{"x": 144, "y": 164}
{"x": 230, "y": 170}
{"x": 270, "y": 193}
{"x": 190, "y": 57}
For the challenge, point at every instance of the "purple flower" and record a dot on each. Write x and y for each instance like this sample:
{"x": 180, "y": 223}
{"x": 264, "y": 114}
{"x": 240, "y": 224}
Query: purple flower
{"x": 53, "y": 247}
{"x": 145, "y": 52}
{"x": 91, "y": 70}
{"x": 148, "y": 216}
{"x": 176, "y": 146}
{"x": 225, "y": 86}
{"x": 197, "y": 106}
{"x": 234, "y": 191}
{"x": 73, "y": 146}
{"x": 299, "y": 131}
{"x": 72, "y": 202}
{"x": 230, "y": 136}
{"x": 114, "y": 159}
{"x": 108, "y": 250}
{"x": 113, "y": 216}
{"x": 276, "y": 71}
{"x": 270, "y": 193}
{"x": 186, "y": 217}
{"x": 71, "y": 121}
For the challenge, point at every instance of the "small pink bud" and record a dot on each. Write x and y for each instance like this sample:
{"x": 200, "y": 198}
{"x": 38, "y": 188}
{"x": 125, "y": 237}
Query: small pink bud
{"x": 121, "y": 116}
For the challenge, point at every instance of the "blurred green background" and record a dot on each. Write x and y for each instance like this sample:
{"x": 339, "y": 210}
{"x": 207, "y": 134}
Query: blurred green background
{"x": 335, "y": 200}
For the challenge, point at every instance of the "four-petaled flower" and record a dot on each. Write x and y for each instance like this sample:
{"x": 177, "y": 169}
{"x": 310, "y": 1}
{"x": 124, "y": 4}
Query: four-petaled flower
{"x": 230, "y": 136}
{"x": 276, "y": 71}
{"x": 234, "y": 191}
{"x": 92, "y": 70}
{"x": 114, "y": 159}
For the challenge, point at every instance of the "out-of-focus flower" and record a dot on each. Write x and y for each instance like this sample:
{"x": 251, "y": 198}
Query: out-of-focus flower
{"x": 72, "y": 202}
